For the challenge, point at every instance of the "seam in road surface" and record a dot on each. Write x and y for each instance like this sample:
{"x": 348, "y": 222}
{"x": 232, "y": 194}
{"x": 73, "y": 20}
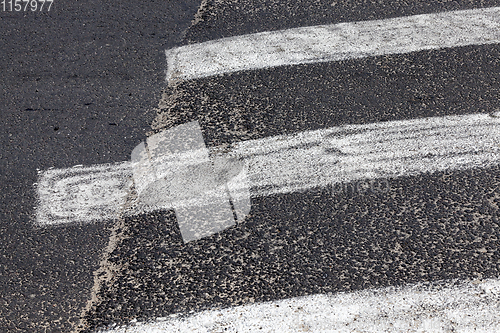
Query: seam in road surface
{"x": 108, "y": 271}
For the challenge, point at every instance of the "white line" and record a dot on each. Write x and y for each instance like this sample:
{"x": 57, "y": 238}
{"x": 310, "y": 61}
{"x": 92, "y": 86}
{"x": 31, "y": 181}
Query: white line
{"x": 335, "y": 42}
{"x": 463, "y": 307}
{"x": 349, "y": 153}
{"x": 289, "y": 163}
{"x": 82, "y": 194}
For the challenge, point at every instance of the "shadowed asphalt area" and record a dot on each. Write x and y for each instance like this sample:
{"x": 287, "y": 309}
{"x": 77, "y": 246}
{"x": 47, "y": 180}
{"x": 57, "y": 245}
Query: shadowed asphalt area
{"x": 78, "y": 85}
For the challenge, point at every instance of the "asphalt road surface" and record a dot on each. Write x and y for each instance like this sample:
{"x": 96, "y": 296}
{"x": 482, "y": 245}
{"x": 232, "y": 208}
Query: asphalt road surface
{"x": 78, "y": 85}
{"x": 85, "y": 84}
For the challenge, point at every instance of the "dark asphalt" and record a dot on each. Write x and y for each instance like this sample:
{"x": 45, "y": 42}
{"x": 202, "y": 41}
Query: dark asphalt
{"x": 260, "y": 103}
{"x": 219, "y": 19}
{"x": 424, "y": 228}
{"x": 429, "y": 227}
{"x": 81, "y": 85}
{"x": 78, "y": 85}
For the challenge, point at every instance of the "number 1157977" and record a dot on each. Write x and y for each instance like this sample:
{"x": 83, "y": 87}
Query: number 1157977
{"x": 26, "y": 5}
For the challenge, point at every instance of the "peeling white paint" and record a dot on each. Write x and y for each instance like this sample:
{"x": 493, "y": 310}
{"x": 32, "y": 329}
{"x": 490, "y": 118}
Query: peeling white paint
{"x": 334, "y": 42}
{"x": 447, "y": 307}
{"x": 288, "y": 163}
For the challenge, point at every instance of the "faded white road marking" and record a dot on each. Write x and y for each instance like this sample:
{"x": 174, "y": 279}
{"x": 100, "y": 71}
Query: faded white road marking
{"x": 176, "y": 167}
{"x": 335, "y": 42}
{"x": 289, "y": 163}
{"x": 459, "y": 307}
{"x": 82, "y": 194}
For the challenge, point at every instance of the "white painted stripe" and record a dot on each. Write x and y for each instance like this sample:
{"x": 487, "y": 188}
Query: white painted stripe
{"x": 290, "y": 163}
{"x": 319, "y": 158}
{"x": 82, "y": 194}
{"x": 335, "y": 42}
{"x": 460, "y": 307}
